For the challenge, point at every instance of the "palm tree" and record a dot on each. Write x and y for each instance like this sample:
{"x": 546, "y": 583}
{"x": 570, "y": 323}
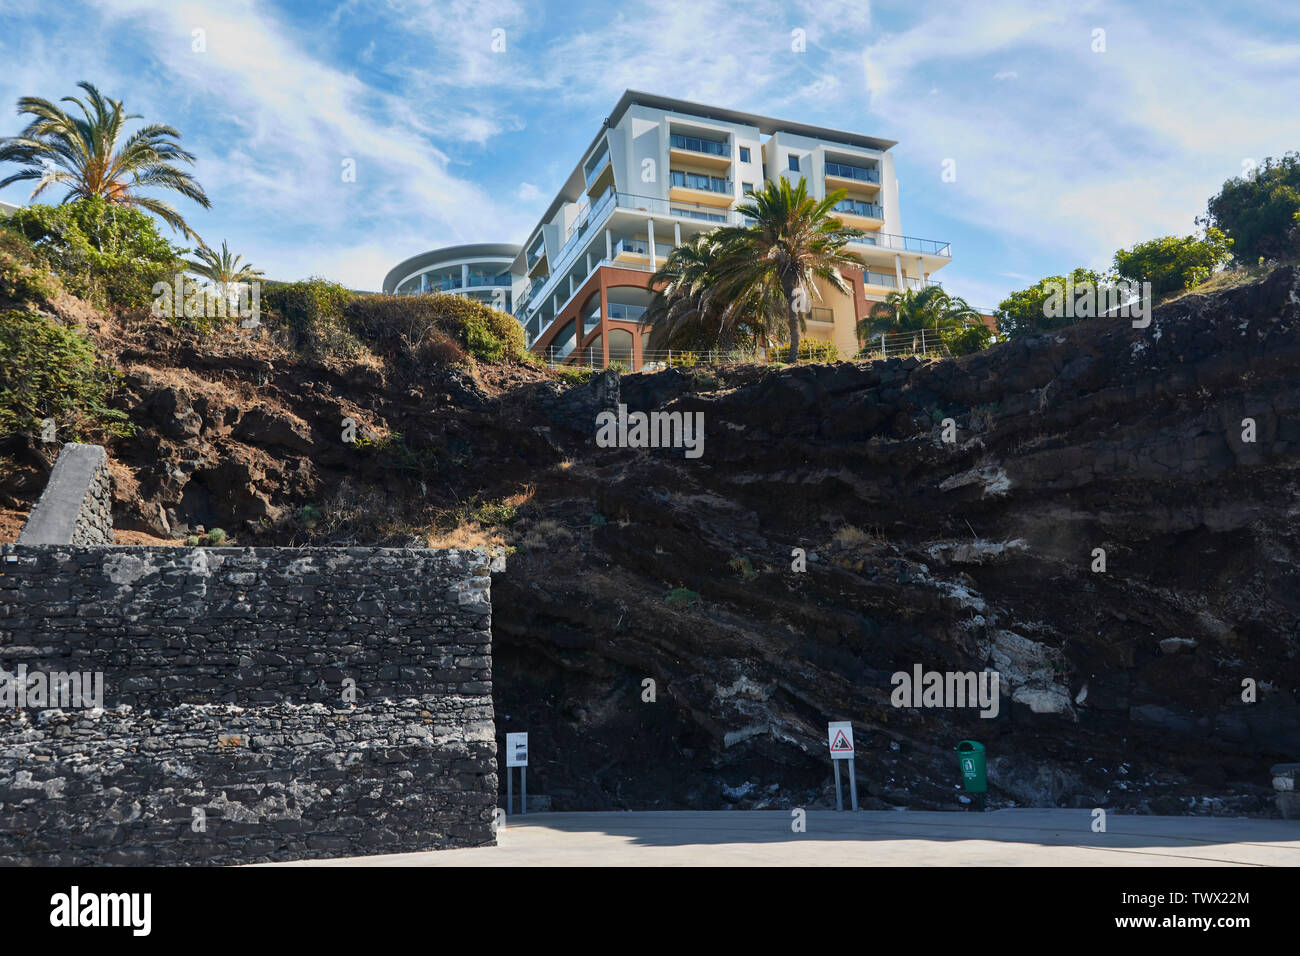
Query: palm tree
{"x": 911, "y": 310}
{"x": 226, "y": 272}
{"x": 792, "y": 239}
{"x": 85, "y": 155}
{"x": 688, "y": 294}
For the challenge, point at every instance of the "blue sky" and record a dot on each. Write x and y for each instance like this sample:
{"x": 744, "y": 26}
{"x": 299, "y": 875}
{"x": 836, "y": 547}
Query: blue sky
{"x": 1062, "y": 154}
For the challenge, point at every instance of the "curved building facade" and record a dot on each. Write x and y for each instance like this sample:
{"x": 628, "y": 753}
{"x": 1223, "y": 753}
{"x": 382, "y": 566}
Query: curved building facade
{"x": 480, "y": 271}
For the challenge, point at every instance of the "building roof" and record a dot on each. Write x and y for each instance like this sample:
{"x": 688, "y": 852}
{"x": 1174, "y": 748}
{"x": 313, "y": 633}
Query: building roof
{"x": 475, "y": 250}
{"x": 766, "y": 125}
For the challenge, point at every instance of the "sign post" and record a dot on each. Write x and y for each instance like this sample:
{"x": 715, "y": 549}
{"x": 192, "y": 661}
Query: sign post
{"x": 517, "y": 756}
{"x": 839, "y": 734}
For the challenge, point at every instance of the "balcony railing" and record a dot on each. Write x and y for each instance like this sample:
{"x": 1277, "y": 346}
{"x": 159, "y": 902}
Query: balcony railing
{"x": 596, "y": 170}
{"x": 641, "y": 247}
{"x": 697, "y": 145}
{"x": 627, "y": 313}
{"x": 442, "y": 285}
{"x": 890, "y": 281}
{"x": 853, "y": 172}
{"x": 857, "y": 208}
{"x": 479, "y": 279}
{"x": 713, "y": 184}
{"x": 884, "y": 240}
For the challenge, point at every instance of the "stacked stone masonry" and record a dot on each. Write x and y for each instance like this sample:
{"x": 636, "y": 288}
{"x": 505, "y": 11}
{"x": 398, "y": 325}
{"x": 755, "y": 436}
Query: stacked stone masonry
{"x": 258, "y": 704}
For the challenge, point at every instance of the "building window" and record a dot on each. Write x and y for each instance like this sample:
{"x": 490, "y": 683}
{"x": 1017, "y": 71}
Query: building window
{"x": 744, "y": 154}
{"x": 748, "y": 188}
{"x": 794, "y": 163}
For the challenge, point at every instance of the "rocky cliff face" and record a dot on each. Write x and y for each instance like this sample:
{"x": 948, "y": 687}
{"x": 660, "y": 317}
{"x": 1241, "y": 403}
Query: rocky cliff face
{"x": 1170, "y": 452}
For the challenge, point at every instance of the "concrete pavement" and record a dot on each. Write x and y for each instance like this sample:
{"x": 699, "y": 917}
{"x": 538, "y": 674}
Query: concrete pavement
{"x": 1046, "y": 837}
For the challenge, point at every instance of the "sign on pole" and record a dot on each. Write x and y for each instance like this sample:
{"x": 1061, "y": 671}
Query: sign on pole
{"x": 840, "y": 735}
{"x": 516, "y": 750}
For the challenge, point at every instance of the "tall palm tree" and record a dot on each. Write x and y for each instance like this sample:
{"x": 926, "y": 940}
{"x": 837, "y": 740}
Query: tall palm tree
{"x": 791, "y": 240}
{"x": 84, "y": 154}
{"x": 226, "y": 272}
{"x": 688, "y": 294}
{"x": 911, "y": 310}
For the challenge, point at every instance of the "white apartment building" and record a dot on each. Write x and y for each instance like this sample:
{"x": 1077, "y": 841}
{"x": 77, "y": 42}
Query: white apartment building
{"x": 662, "y": 170}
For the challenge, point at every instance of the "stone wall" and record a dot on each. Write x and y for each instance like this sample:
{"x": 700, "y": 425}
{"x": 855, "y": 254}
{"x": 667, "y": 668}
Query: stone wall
{"x": 259, "y": 703}
{"x": 76, "y": 506}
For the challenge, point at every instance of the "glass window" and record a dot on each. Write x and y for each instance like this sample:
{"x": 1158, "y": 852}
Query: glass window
{"x": 744, "y": 154}
{"x": 748, "y": 187}
{"x": 794, "y": 163}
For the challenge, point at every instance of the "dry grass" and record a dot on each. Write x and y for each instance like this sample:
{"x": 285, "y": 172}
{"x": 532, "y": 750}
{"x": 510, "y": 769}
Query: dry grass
{"x": 1229, "y": 279}
{"x": 850, "y": 536}
{"x": 546, "y": 535}
{"x": 468, "y": 534}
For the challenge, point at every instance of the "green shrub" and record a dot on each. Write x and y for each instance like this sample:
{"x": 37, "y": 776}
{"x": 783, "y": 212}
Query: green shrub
{"x": 111, "y": 256}
{"x": 967, "y": 339}
{"x": 309, "y": 515}
{"x": 216, "y": 536}
{"x": 744, "y": 567}
{"x": 23, "y": 278}
{"x": 682, "y": 597}
{"x": 493, "y": 515}
{"x": 810, "y": 350}
{"x": 49, "y": 371}
{"x": 1172, "y": 264}
{"x": 1260, "y": 213}
{"x": 192, "y": 541}
{"x": 312, "y": 314}
{"x": 436, "y": 328}
{"x": 683, "y": 360}
{"x": 572, "y": 375}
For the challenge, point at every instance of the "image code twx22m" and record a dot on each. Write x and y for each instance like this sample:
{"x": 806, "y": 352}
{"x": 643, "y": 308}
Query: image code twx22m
{"x": 779, "y": 434}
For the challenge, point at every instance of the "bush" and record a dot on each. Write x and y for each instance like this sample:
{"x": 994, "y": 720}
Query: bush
{"x": 1172, "y": 264}
{"x": 436, "y": 328}
{"x": 1025, "y": 312}
{"x": 682, "y": 597}
{"x": 216, "y": 536}
{"x": 48, "y": 371}
{"x": 810, "y": 350}
{"x": 573, "y": 376}
{"x": 22, "y": 276}
{"x": 967, "y": 339}
{"x": 312, "y": 313}
{"x": 1261, "y": 213}
{"x": 683, "y": 360}
{"x": 108, "y": 255}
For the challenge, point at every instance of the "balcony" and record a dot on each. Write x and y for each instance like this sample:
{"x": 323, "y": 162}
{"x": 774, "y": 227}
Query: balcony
{"x": 626, "y": 313}
{"x": 441, "y": 285}
{"x": 888, "y": 280}
{"x": 480, "y": 279}
{"x": 858, "y": 209}
{"x": 855, "y": 173}
{"x": 701, "y": 189}
{"x": 698, "y": 151}
{"x": 884, "y": 240}
{"x": 639, "y": 249}
{"x": 601, "y": 176}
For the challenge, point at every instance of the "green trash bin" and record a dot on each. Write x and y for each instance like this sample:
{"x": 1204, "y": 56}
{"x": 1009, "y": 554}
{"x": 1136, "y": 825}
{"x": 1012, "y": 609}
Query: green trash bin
{"x": 970, "y": 757}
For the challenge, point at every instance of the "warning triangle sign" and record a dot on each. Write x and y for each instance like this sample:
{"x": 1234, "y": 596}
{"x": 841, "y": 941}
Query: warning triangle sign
{"x": 841, "y": 743}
